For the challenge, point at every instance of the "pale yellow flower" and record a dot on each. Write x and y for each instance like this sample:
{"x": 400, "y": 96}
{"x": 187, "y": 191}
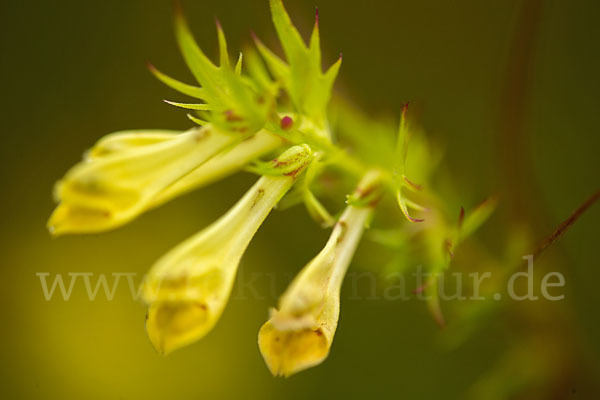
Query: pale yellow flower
{"x": 126, "y": 173}
{"x": 188, "y": 288}
{"x": 299, "y": 334}
{"x": 222, "y": 165}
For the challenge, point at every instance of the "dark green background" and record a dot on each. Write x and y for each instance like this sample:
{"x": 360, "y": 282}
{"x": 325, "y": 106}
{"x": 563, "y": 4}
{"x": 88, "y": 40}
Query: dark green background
{"x": 73, "y": 71}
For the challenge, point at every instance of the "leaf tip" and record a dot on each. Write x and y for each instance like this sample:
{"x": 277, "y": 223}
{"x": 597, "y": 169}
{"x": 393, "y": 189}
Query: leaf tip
{"x": 255, "y": 38}
{"x": 177, "y": 9}
{"x": 405, "y": 109}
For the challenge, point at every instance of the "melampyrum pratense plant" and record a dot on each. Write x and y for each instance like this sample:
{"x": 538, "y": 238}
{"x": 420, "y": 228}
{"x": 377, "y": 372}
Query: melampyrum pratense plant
{"x": 246, "y": 111}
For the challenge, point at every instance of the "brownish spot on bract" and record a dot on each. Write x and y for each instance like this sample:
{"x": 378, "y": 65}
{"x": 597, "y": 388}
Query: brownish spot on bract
{"x": 343, "y": 225}
{"x": 461, "y": 217}
{"x": 260, "y": 194}
{"x": 278, "y": 163}
{"x": 292, "y": 173}
{"x": 201, "y": 135}
{"x": 363, "y": 193}
{"x": 295, "y": 172}
{"x": 374, "y": 203}
{"x": 232, "y": 117}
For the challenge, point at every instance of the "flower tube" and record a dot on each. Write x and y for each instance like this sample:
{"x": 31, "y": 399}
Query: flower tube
{"x": 222, "y": 165}
{"x": 188, "y": 288}
{"x": 299, "y": 334}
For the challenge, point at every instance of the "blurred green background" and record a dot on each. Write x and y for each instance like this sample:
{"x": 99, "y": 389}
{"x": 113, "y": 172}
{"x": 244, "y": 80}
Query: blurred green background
{"x": 73, "y": 71}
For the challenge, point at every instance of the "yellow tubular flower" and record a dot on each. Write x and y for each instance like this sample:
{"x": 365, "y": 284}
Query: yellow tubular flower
{"x": 188, "y": 288}
{"x": 125, "y": 172}
{"x": 299, "y": 334}
{"x": 222, "y": 165}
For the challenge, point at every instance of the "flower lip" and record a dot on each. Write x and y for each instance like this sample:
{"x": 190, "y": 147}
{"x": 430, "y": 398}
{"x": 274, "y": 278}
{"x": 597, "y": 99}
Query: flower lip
{"x": 289, "y": 351}
{"x": 174, "y": 324}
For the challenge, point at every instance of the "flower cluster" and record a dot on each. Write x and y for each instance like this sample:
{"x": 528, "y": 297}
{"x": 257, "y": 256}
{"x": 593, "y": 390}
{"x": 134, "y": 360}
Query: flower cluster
{"x": 246, "y": 111}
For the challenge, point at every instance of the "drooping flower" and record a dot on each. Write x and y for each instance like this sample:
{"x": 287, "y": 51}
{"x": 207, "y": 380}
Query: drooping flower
{"x": 188, "y": 288}
{"x": 299, "y": 334}
{"x": 125, "y": 173}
